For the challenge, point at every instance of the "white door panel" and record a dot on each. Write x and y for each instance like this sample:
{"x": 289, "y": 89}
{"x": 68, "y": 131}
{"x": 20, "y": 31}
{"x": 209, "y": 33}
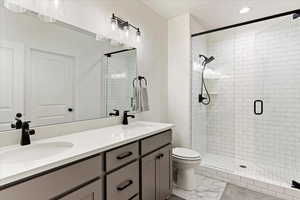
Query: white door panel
{"x": 11, "y": 82}
{"x": 50, "y": 91}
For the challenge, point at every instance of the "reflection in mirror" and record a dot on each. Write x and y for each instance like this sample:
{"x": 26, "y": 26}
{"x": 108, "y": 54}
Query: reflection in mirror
{"x": 121, "y": 70}
{"x": 57, "y": 73}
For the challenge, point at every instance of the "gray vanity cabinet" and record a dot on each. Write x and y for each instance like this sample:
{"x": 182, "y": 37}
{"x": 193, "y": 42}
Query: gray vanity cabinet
{"x": 92, "y": 191}
{"x": 156, "y": 175}
{"x": 140, "y": 170}
{"x": 156, "y": 167}
{"x": 165, "y": 173}
{"x": 80, "y": 179}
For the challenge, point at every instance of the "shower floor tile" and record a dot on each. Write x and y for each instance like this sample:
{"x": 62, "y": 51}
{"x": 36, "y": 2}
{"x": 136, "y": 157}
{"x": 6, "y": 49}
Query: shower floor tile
{"x": 207, "y": 189}
{"x": 233, "y": 192}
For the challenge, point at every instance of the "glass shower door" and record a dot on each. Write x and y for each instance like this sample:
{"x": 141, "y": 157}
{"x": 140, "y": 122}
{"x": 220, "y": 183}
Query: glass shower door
{"x": 276, "y": 144}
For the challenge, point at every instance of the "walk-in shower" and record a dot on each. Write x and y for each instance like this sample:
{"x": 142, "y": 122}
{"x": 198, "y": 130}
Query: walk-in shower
{"x": 252, "y": 123}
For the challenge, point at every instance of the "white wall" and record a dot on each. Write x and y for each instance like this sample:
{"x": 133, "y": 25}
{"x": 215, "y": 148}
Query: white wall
{"x": 152, "y": 53}
{"x": 179, "y": 78}
{"x": 198, "y": 111}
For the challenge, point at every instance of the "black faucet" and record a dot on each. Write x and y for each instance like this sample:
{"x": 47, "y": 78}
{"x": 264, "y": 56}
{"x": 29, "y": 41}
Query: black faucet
{"x": 125, "y": 117}
{"x": 116, "y": 113}
{"x": 26, "y": 131}
{"x": 18, "y": 124}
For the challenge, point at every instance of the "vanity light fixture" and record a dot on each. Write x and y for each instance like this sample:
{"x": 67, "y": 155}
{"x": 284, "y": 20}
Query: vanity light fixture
{"x": 138, "y": 35}
{"x": 121, "y": 24}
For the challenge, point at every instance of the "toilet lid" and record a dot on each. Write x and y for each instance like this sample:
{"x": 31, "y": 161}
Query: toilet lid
{"x": 186, "y": 153}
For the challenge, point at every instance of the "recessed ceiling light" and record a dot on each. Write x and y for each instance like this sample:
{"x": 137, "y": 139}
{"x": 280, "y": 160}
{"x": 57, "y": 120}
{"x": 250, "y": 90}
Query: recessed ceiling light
{"x": 245, "y": 10}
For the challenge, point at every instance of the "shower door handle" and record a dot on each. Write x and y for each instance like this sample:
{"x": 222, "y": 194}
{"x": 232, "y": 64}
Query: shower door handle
{"x": 258, "y": 107}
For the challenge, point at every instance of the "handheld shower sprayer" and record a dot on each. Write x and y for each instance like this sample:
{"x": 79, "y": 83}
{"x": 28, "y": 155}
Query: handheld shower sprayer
{"x": 202, "y": 99}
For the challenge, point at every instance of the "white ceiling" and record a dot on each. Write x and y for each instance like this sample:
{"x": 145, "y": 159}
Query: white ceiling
{"x": 219, "y": 13}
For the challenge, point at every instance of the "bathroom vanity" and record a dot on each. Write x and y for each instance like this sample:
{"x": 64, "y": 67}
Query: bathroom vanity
{"x": 130, "y": 162}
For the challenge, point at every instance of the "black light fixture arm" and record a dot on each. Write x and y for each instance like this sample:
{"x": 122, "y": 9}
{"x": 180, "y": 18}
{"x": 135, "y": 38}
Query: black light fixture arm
{"x": 123, "y": 22}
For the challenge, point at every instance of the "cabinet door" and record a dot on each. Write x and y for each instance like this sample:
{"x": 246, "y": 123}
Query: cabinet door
{"x": 156, "y": 175}
{"x": 165, "y": 167}
{"x": 149, "y": 180}
{"x": 92, "y": 191}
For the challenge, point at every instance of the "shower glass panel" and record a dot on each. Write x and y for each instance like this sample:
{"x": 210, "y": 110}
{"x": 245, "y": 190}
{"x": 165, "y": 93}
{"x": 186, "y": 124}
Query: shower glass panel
{"x": 254, "y": 114}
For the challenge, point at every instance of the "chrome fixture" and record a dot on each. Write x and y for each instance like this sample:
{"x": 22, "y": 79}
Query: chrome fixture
{"x": 121, "y": 24}
{"x": 125, "y": 117}
{"x": 26, "y": 131}
{"x": 202, "y": 99}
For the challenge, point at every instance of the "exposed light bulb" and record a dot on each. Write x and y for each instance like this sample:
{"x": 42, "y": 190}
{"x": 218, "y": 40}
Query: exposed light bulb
{"x": 244, "y": 10}
{"x": 56, "y": 3}
{"x": 126, "y": 30}
{"x": 114, "y": 23}
{"x": 138, "y": 35}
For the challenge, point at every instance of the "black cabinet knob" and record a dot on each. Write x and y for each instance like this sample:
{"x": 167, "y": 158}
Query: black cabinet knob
{"x": 70, "y": 109}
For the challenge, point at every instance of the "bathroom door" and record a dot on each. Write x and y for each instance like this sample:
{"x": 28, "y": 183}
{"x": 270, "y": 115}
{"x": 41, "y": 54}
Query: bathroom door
{"x": 50, "y": 88}
{"x": 11, "y": 82}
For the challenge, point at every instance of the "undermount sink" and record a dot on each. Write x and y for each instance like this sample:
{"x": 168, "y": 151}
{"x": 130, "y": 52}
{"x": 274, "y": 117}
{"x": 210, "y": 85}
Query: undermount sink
{"x": 34, "y": 152}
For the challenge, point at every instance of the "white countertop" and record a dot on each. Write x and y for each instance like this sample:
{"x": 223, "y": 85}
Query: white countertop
{"x": 85, "y": 143}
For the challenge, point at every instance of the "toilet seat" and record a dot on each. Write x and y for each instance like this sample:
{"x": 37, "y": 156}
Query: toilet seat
{"x": 185, "y": 154}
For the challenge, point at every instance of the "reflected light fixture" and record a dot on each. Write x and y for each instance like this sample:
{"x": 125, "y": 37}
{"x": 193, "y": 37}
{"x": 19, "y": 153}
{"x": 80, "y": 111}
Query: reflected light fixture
{"x": 245, "y": 10}
{"x": 126, "y": 29}
{"x": 118, "y": 23}
{"x": 114, "y": 23}
{"x": 138, "y": 35}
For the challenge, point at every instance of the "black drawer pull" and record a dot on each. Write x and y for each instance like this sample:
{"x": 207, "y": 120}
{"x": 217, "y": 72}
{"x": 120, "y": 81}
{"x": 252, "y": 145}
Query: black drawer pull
{"x": 124, "y": 185}
{"x": 124, "y": 155}
{"x": 133, "y": 197}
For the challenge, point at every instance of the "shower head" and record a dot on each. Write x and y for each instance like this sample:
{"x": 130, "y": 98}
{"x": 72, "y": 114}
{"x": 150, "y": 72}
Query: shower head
{"x": 296, "y": 15}
{"x": 206, "y": 59}
{"x": 210, "y": 59}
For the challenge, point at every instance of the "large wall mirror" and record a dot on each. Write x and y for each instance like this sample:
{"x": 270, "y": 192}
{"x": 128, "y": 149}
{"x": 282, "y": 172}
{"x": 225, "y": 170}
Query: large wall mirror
{"x": 56, "y": 73}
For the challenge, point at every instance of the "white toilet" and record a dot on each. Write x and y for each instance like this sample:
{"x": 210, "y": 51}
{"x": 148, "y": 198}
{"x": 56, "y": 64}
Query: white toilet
{"x": 184, "y": 162}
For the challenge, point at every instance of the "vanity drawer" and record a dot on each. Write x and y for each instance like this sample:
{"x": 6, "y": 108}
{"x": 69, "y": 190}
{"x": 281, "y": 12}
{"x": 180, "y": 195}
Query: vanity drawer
{"x": 57, "y": 182}
{"x": 155, "y": 142}
{"x": 121, "y": 156}
{"x": 123, "y": 184}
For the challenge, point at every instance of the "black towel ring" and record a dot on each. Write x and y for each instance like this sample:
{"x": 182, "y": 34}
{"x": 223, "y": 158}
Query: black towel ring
{"x": 140, "y": 78}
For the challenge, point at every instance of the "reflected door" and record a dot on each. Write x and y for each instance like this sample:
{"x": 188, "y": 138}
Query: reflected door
{"x": 50, "y": 99}
{"x": 11, "y": 82}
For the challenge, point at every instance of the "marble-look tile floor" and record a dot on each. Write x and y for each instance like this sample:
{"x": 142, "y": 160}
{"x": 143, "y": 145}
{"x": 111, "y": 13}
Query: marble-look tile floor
{"x": 173, "y": 197}
{"x": 233, "y": 192}
{"x": 207, "y": 189}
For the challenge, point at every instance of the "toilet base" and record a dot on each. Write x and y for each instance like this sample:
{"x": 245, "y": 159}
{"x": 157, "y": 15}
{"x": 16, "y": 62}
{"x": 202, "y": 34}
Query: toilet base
{"x": 185, "y": 178}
